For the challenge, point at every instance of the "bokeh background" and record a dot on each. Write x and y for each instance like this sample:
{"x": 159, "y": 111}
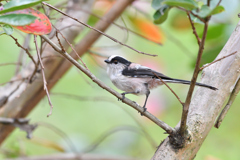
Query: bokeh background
{"x": 87, "y": 119}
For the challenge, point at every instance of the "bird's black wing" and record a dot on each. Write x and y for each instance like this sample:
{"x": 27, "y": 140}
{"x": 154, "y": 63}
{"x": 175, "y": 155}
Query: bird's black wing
{"x": 143, "y": 72}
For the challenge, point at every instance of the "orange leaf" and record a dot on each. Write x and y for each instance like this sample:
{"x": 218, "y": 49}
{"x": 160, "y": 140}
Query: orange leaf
{"x": 147, "y": 28}
{"x": 40, "y": 26}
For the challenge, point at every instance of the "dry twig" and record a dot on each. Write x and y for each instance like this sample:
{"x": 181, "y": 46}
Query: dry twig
{"x": 13, "y": 63}
{"x": 194, "y": 29}
{"x": 86, "y": 25}
{"x": 43, "y": 75}
{"x": 169, "y": 88}
{"x": 123, "y": 27}
{"x": 25, "y": 49}
{"x": 205, "y": 66}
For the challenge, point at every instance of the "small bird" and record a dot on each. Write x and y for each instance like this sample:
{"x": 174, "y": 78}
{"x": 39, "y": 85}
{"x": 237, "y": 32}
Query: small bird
{"x": 137, "y": 79}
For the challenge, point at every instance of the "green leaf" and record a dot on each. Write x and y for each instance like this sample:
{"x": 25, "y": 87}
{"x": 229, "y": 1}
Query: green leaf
{"x": 207, "y": 11}
{"x": 7, "y": 29}
{"x": 187, "y": 4}
{"x": 157, "y": 4}
{"x": 161, "y": 15}
{"x": 218, "y": 9}
{"x": 18, "y": 5}
{"x": 17, "y": 19}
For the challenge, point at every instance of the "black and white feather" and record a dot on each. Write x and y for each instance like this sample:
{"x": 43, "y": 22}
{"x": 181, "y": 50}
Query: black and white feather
{"x": 137, "y": 79}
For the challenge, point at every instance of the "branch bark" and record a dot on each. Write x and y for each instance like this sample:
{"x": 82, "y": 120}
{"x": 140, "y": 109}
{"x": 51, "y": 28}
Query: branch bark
{"x": 206, "y": 104}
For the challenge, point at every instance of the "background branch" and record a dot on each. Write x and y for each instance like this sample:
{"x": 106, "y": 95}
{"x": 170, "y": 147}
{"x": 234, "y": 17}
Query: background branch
{"x": 228, "y": 105}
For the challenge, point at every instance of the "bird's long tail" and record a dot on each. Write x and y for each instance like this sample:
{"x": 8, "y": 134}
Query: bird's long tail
{"x": 188, "y": 82}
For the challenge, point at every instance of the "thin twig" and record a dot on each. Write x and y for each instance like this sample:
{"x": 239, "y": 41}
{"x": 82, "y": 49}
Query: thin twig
{"x": 20, "y": 79}
{"x": 219, "y": 2}
{"x": 21, "y": 53}
{"x": 205, "y": 66}
{"x": 169, "y": 88}
{"x": 228, "y": 105}
{"x": 59, "y": 41}
{"x": 160, "y": 123}
{"x": 25, "y": 49}
{"x": 183, "y": 124}
{"x": 52, "y": 56}
{"x": 13, "y": 63}
{"x": 86, "y": 25}
{"x": 208, "y": 2}
{"x": 101, "y": 138}
{"x": 122, "y": 27}
{"x": 194, "y": 29}
{"x": 43, "y": 75}
{"x": 195, "y": 15}
{"x": 57, "y": 31}
{"x": 61, "y": 133}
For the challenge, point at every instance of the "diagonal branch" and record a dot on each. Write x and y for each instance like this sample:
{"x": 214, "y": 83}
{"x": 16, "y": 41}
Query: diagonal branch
{"x": 160, "y": 123}
{"x": 124, "y": 28}
{"x": 229, "y": 104}
{"x": 216, "y": 61}
{"x": 169, "y": 88}
{"x": 25, "y": 49}
{"x": 195, "y": 15}
{"x": 97, "y": 30}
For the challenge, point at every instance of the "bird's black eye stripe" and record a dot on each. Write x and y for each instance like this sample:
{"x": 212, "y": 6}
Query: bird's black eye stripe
{"x": 117, "y": 60}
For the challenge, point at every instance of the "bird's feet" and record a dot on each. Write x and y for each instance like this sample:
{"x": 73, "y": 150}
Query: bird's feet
{"x": 123, "y": 97}
{"x": 144, "y": 110}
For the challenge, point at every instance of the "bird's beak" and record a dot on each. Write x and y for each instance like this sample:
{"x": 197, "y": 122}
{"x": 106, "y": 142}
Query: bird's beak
{"x": 107, "y": 61}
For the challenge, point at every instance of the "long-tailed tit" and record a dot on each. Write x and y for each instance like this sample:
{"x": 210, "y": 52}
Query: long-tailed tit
{"x": 137, "y": 79}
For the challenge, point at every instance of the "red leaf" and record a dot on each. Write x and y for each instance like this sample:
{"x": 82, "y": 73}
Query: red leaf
{"x": 40, "y": 26}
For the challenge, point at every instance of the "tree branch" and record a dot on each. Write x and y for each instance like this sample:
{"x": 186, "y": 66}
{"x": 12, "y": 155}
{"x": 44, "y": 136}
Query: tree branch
{"x": 193, "y": 82}
{"x": 43, "y": 76}
{"x": 228, "y": 105}
{"x": 161, "y": 124}
{"x": 206, "y": 104}
{"x": 95, "y": 29}
{"x": 205, "y": 66}
{"x": 169, "y": 88}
